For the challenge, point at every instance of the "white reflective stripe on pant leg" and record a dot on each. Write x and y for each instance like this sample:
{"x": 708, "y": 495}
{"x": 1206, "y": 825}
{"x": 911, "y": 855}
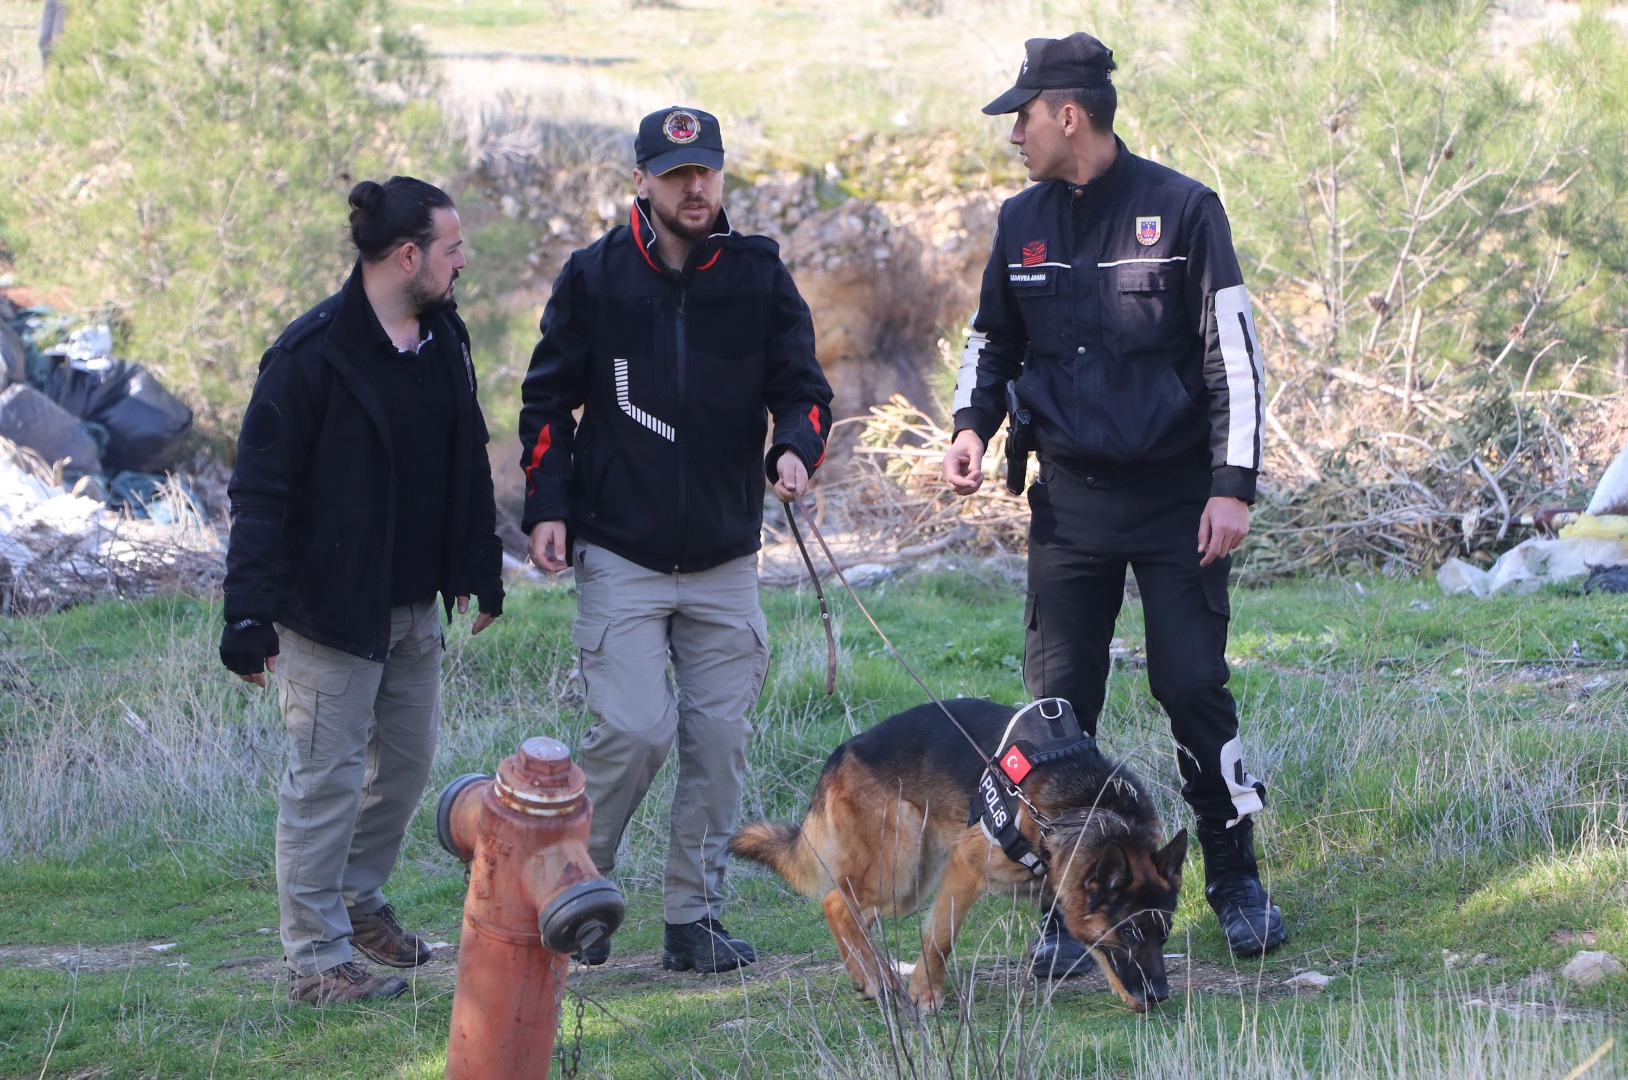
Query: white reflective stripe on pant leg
{"x": 1246, "y": 798}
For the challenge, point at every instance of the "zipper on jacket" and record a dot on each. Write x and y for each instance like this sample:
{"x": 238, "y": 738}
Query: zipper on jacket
{"x": 682, "y": 397}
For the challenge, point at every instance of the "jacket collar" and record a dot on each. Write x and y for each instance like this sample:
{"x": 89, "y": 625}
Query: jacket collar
{"x": 1112, "y": 177}
{"x": 702, "y": 255}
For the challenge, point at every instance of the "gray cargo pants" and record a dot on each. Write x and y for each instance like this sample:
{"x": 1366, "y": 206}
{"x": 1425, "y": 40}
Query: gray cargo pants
{"x": 361, "y": 742}
{"x": 630, "y": 622}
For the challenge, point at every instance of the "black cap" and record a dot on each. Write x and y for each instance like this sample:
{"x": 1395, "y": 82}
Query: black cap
{"x": 676, "y": 136}
{"x": 1056, "y": 64}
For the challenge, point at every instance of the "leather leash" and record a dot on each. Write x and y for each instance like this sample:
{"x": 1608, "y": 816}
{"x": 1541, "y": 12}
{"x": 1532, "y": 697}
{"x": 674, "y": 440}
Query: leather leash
{"x": 993, "y": 766}
{"x": 825, "y": 612}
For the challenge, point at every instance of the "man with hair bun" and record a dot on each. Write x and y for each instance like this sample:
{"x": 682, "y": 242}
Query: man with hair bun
{"x": 1115, "y": 336}
{"x": 362, "y": 490}
{"x": 677, "y": 338}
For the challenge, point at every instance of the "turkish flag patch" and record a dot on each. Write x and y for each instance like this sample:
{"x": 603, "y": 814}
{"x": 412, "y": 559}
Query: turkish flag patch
{"x": 1015, "y": 765}
{"x": 1034, "y": 253}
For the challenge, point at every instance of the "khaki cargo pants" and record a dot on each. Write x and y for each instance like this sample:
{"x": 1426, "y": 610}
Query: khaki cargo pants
{"x": 630, "y": 623}
{"x": 361, "y": 742}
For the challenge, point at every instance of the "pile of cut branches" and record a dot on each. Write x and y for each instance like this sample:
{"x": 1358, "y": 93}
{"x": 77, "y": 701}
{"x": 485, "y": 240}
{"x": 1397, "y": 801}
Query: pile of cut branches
{"x": 1359, "y": 474}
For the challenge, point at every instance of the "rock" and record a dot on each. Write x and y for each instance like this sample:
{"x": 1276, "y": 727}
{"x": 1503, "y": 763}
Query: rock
{"x": 1309, "y": 980}
{"x": 1589, "y": 967}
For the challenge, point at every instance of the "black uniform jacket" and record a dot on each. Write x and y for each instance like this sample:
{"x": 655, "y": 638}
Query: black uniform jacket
{"x": 314, "y": 491}
{"x": 1119, "y": 307}
{"x": 673, "y": 373}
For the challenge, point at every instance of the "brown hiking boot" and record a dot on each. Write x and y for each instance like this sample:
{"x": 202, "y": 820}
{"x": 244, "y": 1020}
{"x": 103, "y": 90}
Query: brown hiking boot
{"x": 349, "y": 981}
{"x": 379, "y": 936}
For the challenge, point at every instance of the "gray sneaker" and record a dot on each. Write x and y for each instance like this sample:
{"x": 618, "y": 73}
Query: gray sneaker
{"x": 349, "y": 981}
{"x": 379, "y": 936}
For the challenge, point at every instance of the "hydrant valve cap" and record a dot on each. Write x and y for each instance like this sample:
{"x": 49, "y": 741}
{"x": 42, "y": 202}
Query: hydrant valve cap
{"x": 580, "y": 916}
{"x": 443, "y": 814}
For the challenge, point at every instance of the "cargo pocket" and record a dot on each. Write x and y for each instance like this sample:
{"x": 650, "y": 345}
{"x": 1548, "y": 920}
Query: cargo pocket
{"x": 309, "y": 691}
{"x": 588, "y": 635}
{"x": 759, "y": 624}
{"x": 1216, "y": 597}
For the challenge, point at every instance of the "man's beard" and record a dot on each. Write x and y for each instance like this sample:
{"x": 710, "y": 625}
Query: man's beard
{"x": 422, "y": 297}
{"x": 692, "y": 233}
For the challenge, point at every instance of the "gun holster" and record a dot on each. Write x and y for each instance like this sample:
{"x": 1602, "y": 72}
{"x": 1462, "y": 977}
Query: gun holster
{"x": 1019, "y": 441}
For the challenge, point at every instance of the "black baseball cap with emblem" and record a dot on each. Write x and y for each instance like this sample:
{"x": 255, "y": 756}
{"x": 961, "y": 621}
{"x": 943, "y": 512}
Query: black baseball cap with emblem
{"x": 676, "y": 136}
{"x": 1056, "y": 64}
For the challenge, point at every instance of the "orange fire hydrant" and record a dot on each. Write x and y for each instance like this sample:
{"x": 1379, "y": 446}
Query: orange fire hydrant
{"x": 534, "y": 897}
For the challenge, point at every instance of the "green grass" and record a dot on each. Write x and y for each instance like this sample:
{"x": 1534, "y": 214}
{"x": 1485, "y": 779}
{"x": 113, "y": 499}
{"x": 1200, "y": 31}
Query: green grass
{"x": 1447, "y": 803}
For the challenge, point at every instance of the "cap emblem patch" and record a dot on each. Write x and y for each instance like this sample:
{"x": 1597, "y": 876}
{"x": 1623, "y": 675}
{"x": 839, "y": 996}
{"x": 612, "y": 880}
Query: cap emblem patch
{"x": 1147, "y": 231}
{"x": 681, "y": 127}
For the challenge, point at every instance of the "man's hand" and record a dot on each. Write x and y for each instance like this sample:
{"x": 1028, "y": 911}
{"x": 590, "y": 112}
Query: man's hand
{"x": 547, "y": 546}
{"x": 482, "y": 619}
{"x": 249, "y": 650}
{"x": 793, "y": 477}
{"x": 964, "y": 463}
{"x": 1222, "y": 527}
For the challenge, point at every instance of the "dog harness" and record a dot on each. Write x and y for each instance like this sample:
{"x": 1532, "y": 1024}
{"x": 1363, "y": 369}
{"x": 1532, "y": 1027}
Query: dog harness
{"x": 1040, "y": 732}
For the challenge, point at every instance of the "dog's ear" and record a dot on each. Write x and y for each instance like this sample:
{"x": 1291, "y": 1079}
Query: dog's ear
{"x": 1112, "y": 874}
{"x": 1168, "y": 859}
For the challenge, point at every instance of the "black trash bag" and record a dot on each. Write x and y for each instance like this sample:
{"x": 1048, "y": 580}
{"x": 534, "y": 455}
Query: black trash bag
{"x": 29, "y": 418}
{"x": 145, "y": 423}
{"x": 13, "y": 356}
{"x": 1607, "y": 579}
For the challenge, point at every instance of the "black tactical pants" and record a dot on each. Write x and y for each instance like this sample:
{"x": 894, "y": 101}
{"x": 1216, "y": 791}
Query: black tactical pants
{"x": 1084, "y": 530}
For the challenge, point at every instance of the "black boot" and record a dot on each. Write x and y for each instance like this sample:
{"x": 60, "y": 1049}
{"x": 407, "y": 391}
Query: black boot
{"x": 1232, "y": 884}
{"x": 1058, "y": 954}
{"x": 703, "y": 946}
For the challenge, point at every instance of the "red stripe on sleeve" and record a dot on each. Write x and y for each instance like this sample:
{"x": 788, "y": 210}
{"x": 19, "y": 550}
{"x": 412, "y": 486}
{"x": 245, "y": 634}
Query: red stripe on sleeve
{"x": 544, "y": 441}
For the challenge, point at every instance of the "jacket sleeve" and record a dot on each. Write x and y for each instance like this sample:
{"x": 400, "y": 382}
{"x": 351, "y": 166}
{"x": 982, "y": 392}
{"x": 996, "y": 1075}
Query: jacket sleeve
{"x": 794, "y": 387}
{"x": 273, "y": 451}
{"x": 997, "y": 340}
{"x": 554, "y": 387}
{"x": 483, "y": 558}
{"x": 1234, "y": 374}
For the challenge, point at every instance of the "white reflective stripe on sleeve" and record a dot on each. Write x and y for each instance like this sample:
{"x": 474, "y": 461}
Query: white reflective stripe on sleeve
{"x": 1246, "y": 392}
{"x": 967, "y": 377}
{"x": 660, "y": 427}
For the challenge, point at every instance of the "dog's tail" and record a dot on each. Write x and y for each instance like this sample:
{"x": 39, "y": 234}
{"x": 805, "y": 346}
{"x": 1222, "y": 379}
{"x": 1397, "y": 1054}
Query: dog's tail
{"x": 785, "y": 849}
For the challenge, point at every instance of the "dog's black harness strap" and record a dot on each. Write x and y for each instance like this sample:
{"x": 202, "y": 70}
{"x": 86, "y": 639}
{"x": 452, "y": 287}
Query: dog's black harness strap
{"x": 991, "y": 811}
{"x": 825, "y": 612}
{"x": 1012, "y": 790}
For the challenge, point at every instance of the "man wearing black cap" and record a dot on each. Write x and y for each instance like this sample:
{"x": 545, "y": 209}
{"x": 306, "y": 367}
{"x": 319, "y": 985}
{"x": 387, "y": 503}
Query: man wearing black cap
{"x": 676, "y": 337}
{"x": 1114, "y": 305}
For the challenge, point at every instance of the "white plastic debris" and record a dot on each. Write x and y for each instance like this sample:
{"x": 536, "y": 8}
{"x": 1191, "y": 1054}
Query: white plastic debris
{"x": 1611, "y": 493}
{"x": 1309, "y": 980}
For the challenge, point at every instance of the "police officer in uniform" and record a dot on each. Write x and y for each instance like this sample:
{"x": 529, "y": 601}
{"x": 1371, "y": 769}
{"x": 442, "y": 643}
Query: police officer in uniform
{"x": 1114, "y": 305}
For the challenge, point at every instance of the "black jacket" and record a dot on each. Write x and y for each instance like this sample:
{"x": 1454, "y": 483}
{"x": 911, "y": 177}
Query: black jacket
{"x": 673, "y": 373}
{"x": 314, "y": 491}
{"x": 1119, "y": 307}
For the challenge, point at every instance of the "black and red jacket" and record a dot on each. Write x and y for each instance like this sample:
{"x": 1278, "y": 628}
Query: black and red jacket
{"x": 675, "y": 374}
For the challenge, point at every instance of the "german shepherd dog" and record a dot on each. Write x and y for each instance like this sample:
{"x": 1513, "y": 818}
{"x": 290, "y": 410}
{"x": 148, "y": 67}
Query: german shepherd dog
{"x": 888, "y": 822}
